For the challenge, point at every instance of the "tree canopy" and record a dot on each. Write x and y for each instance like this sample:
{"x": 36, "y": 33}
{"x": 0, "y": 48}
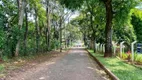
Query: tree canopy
{"x": 32, "y": 26}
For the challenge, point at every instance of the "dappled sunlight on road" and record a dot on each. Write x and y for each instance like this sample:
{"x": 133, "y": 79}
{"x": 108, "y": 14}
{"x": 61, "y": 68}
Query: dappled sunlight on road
{"x": 78, "y": 50}
{"x": 90, "y": 68}
{"x": 76, "y": 65}
{"x": 50, "y": 63}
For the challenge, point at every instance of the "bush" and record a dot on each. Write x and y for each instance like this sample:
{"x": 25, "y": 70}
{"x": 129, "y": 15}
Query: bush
{"x": 124, "y": 56}
{"x": 135, "y": 56}
{"x": 2, "y": 41}
{"x": 138, "y": 58}
{"x": 55, "y": 44}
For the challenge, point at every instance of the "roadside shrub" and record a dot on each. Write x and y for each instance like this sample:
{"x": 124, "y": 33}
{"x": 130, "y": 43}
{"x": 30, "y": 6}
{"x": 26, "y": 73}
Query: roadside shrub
{"x": 2, "y": 41}
{"x": 135, "y": 56}
{"x": 55, "y": 44}
{"x": 127, "y": 56}
{"x": 124, "y": 56}
{"x": 138, "y": 58}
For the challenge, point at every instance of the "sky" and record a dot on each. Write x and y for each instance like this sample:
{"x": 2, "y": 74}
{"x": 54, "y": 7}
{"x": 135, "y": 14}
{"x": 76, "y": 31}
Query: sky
{"x": 76, "y": 14}
{"x": 73, "y": 15}
{"x": 139, "y": 6}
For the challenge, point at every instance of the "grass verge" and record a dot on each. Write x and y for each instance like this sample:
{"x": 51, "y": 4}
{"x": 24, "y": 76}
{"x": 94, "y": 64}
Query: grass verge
{"x": 122, "y": 70}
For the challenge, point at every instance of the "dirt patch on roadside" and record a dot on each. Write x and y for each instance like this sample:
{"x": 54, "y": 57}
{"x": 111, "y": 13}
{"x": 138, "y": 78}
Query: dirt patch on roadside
{"x": 18, "y": 66}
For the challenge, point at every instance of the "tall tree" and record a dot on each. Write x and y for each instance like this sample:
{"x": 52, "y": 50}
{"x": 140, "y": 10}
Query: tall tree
{"x": 36, "y": 28}
{"x": 26, "y": 29}
{"x": 108, "y": 28}
{"x": 136, "y": 21}
{"x": 48, "y": 23}
{"x": 21, "y": 6}
{"x": 116, "y": 11}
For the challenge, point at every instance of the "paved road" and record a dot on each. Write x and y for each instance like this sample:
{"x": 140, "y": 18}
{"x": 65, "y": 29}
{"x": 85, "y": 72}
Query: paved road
{"x": 76, "y": 65}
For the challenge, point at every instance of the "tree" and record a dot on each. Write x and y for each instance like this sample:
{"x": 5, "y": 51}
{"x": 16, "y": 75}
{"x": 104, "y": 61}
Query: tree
{"x": 23, "y": 28}
{"x": 114, "y": 11}
{"x": 36, "y": 28}
{"x": 48, "y": 23}
{"x": 26, "y": 28}
{"x": 21, "y": 6}
{"x": 137, "y": 23}
{"x": 108, "y": 28}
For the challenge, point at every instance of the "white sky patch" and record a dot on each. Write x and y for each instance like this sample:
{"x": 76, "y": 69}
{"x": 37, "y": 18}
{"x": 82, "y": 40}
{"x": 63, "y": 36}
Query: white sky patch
{"x": 0, "y": 2}
{"x": 72, "y": 16}
{"x": 31, "y": 17}
{"x": 139, "y": 6}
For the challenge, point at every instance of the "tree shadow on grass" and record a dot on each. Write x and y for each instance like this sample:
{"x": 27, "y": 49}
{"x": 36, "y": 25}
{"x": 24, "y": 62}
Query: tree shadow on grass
{"x": 122, "y": 70}
{"x": 128, "y": 74}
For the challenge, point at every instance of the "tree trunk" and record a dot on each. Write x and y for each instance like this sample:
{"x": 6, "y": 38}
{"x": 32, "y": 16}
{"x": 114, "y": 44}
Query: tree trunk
{"x": 18, "y": 4}
{"x": 36, "y": 30}
{"x": 26, "y": 32}
{"x": 48, "y": 24}
{"x": 94, "y": 45}
{"x": 65, "y": 38}
{"x": 60, "y": 34}
{"x": 108, "y": 29}
{"x": 20, "y": 23}
{"x": 94, "y": 33}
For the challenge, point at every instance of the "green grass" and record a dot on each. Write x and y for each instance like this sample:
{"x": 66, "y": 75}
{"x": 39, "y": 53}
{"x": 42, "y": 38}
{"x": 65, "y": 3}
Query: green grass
{"x": 122, "y": 70}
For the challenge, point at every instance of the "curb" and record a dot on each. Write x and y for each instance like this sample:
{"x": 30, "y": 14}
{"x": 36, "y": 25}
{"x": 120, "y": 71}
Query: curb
{"x": 111, "y": 75}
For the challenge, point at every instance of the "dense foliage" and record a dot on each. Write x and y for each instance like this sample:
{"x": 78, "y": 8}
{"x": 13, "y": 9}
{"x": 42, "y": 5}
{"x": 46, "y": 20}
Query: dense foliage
{"x": 137, "y": 23}
{"x": 32, "y": 26}
{"x": 28, "y": 27}
{"x": 115, "y": 14}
